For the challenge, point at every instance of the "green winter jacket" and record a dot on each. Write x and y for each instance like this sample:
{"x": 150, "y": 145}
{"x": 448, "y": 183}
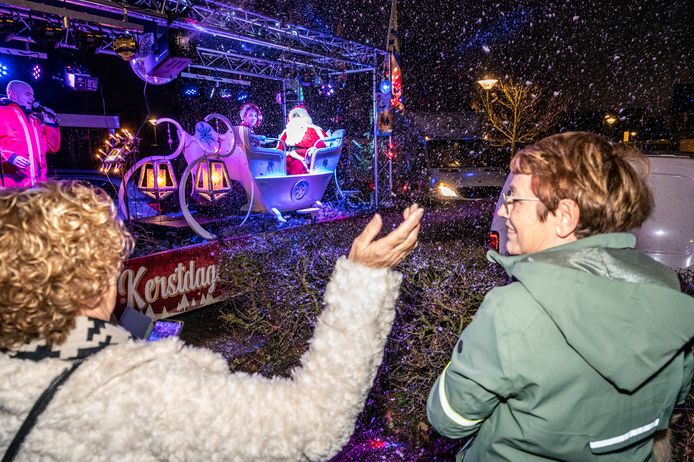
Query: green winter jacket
{"x": 581, "y": 358}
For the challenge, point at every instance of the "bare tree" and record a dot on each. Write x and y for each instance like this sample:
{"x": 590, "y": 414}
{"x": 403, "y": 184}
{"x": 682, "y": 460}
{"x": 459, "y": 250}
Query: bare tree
{"x": 519, "y": 113}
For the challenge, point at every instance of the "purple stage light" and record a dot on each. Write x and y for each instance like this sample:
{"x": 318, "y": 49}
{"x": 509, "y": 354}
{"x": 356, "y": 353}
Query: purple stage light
{"x": 327, "y": 89}
{"x": 36, "y": 72}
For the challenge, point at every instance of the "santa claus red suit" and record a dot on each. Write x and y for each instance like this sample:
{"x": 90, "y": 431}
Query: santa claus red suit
{"x": 24, "y": 134}
{"x": 300, "y": 136}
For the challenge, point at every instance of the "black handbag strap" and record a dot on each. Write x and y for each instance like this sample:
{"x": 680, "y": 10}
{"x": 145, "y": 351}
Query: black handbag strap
{"x": 39, "y": 406}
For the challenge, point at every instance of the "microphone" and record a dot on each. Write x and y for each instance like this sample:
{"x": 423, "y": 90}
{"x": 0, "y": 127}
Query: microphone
{"x": 36, "y": 106}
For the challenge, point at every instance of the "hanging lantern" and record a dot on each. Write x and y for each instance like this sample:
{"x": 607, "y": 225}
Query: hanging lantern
{"x": 212, "y": 180}
{"x": 157, "y": 179}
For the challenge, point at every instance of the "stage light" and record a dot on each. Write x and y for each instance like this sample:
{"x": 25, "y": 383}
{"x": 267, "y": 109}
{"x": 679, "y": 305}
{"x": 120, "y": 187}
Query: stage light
{"x": 385, "y": 87}
{"x": 78, "y": 79}
{"x": 3, "y": 70}
{"x": 36, "y": 72}
{"x": 327, "y": 89}
{"x": 125, "y": 46}
{"x": 242, "y": 96}
{"x": 191, "y": 91}
{"x": 225, "y": 93}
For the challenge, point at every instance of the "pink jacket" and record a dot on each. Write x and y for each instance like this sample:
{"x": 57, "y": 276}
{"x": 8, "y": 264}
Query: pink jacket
{"x": 24, "y": 135}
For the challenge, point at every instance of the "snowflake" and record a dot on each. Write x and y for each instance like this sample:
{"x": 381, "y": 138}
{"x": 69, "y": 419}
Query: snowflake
{"x": 205, "y": 134}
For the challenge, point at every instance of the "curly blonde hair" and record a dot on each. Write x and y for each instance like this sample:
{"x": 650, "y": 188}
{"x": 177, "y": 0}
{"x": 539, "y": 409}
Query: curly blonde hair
{"x": 61, "y": 246}
{"x": 608, "y": 183}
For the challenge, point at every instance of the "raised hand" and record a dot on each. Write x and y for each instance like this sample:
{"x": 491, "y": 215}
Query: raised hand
{"x": 391, "y": 249}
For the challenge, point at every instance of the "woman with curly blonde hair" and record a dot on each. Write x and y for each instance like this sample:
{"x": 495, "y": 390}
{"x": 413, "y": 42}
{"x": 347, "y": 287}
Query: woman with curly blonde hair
{"x": 61, "y": 246}
{"x": 61, "y": 250}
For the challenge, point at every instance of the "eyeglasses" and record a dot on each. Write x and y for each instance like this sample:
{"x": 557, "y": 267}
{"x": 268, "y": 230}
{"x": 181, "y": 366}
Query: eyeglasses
{"x": 509, "y": 199}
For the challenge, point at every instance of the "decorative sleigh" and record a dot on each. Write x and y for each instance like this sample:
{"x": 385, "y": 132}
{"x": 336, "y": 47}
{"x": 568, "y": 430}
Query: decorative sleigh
{"x": 214, "y": 159}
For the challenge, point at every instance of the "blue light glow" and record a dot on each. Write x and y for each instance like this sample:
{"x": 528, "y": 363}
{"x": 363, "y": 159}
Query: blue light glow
{"x": 191, "y": 91}
{"x": 385, "y": 87}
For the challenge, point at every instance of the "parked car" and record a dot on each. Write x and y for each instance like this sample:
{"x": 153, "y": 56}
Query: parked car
{"x": 668, "y": 234}
{"x": 140, "y": 205}
{"x": 463, "y": 169}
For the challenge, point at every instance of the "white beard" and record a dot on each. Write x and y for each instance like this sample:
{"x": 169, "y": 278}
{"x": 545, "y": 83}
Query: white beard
{"x": 296, "y": 129}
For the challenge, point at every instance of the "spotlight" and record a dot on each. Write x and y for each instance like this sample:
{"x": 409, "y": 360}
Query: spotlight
{"x": 3, "y": 71}
{"x": 79, "y": 79}
{"x": 191, "y": 91}
{"x": 225, "y": 93}
{"x": 327, "y": 89}
{"x": 385, "y": 87}
{"x": 125, "y": 46}
{"x": 242, "y": 96}
{"x": 36, "y": 72}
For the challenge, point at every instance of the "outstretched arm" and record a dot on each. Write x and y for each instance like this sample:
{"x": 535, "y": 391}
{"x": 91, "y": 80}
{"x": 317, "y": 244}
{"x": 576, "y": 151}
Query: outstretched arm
{"x": 311, "y": 414}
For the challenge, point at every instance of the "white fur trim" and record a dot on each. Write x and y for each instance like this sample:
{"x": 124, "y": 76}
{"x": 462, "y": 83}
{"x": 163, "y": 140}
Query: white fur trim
{"x": 319, "y": 131}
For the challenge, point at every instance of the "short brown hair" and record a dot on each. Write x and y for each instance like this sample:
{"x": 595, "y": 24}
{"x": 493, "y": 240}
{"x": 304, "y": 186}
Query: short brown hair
{"x": 61, "y": 245}
{"x": 607, "y": 182}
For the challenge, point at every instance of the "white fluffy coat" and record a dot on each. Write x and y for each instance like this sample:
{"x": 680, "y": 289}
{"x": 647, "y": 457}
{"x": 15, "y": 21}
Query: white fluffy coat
{"x": 166, "y": 401}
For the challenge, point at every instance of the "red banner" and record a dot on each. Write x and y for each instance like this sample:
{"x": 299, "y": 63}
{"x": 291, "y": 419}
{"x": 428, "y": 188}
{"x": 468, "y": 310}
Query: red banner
{"x": 171, "y": 282}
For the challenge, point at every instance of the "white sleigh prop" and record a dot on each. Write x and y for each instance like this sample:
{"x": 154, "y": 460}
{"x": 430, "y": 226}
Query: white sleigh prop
{"x": 260, "y": 170}
{"x": 263, "y": 173}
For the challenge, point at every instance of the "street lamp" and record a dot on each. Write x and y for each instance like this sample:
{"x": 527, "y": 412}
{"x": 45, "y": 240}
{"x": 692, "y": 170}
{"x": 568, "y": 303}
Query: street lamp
{"x": 487, "y": 84}
{"x": 610, "y": 120}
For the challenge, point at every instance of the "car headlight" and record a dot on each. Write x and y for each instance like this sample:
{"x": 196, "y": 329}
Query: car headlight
{"x": 446, "y": 190}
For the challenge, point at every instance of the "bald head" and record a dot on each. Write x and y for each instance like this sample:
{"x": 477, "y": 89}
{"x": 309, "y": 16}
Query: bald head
{"x": 21, "y": 93}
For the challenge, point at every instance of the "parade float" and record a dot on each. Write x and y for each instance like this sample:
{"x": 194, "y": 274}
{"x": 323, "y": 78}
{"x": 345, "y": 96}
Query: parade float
{"x": 223, "y": 42}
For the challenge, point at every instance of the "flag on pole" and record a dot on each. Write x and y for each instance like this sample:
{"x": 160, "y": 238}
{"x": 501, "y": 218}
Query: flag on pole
{"x": 394, "y": 48}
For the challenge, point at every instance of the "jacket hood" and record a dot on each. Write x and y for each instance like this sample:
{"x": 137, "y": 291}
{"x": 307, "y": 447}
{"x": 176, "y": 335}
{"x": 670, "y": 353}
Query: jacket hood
{"x": 620, "y": 310}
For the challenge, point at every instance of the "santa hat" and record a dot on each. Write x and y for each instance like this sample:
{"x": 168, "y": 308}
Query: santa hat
{"x": 299, "y": 111}
{"x": 250, "y": 106}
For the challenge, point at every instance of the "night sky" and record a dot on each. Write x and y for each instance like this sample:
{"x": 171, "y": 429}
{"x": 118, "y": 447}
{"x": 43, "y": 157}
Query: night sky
{"x": 601, "y": 55}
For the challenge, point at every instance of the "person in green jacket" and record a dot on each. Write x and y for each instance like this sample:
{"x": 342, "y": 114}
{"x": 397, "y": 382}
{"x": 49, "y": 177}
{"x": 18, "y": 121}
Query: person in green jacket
{"x": 585, "y": 354}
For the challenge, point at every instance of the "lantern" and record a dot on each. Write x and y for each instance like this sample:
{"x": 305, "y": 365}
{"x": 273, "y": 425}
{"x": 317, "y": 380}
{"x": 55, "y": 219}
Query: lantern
{"x": 211, "y": 180}
{"x": 157, "y": 179}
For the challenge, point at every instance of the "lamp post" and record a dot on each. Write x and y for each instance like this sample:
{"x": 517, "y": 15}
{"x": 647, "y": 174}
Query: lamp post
{"x": 610, "y": 120}
{"x": 487, "y": 83}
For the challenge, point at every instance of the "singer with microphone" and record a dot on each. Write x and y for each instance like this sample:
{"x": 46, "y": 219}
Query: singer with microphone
{"x": 27, "y": 132}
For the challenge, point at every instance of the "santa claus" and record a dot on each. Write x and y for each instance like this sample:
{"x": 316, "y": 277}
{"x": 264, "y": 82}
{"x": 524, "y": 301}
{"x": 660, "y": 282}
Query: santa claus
{"x": 301, "y": 138}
